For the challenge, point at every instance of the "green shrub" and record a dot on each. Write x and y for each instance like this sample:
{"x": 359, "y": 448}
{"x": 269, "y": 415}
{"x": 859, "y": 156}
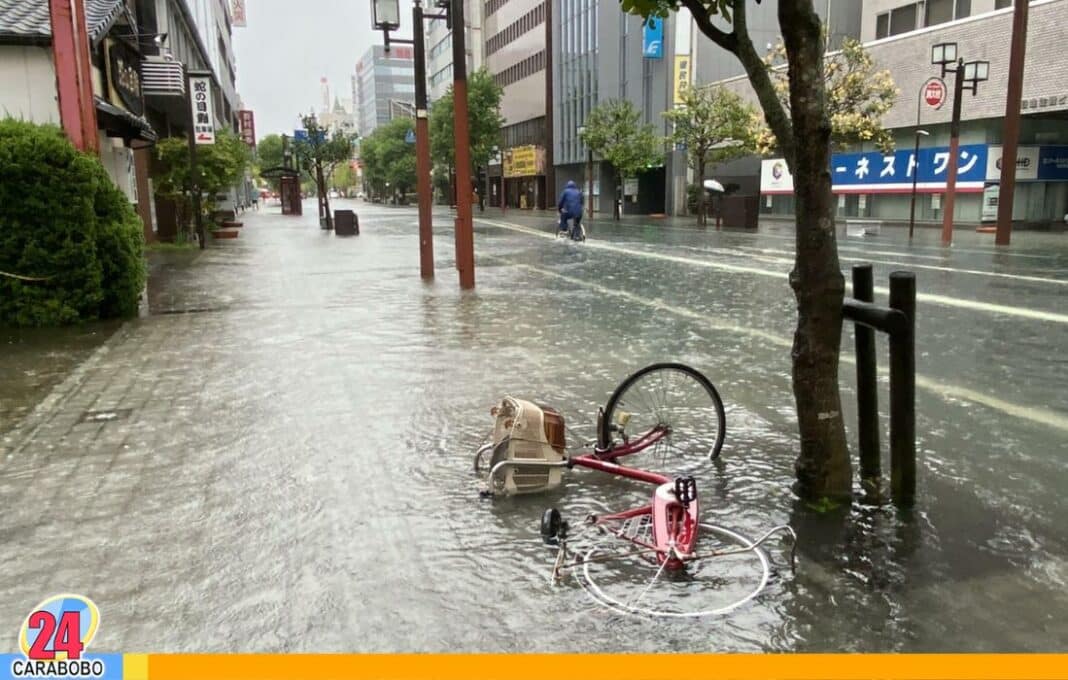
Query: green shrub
{"x": 62, "y": 219}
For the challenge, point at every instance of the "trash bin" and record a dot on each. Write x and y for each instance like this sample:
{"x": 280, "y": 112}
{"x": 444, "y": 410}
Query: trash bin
{"x": 740, "y": 212}
{"x": 346, "y": 223}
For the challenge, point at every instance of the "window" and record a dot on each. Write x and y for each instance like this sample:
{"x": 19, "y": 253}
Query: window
{"x": 527, "y": 22}
{"x": 941, "y": 11}
{"x": 882, "y": 25}
{"x": 1002, "y": 4}
{"x": 903, "y": 20}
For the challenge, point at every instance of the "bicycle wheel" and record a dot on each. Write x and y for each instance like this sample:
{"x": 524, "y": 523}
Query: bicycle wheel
{"x": 674, "y": 397}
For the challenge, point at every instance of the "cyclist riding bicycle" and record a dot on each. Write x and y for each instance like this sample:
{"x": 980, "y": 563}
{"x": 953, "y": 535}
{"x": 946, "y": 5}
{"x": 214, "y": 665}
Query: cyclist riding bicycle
{"x": 570, "y": 207}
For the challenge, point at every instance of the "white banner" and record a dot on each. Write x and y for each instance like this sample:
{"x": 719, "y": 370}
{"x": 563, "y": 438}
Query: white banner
{"x": 200, "y": 101}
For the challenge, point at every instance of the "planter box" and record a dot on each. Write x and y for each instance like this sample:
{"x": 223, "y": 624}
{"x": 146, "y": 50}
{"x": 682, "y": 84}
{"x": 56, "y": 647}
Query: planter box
{"x": 224, "y": 233}
{"x": 231, "y": 224}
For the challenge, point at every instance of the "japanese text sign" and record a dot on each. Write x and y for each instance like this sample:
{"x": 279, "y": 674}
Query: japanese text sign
{"x": 200, "y": 101}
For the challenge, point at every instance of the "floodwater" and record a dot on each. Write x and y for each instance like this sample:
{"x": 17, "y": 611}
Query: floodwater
{"x": 313, "y": 488}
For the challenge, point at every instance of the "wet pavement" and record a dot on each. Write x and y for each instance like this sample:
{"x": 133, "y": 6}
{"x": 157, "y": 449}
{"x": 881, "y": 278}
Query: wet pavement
{"x": 278, "y": 456}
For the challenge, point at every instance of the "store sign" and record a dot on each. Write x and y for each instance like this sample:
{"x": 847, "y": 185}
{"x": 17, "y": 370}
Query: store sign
{"x": 124, "y": 77}
{"x": 1026, "y": 163}
{"x": 653, "y": 38}
{"x": 682, "y": 76}
{"x": 630, "y": 187}
{"x": 1053, "y": 163}
{"x": 523, "y": 161}
{"x": 248, "y": 127}
{"x": 200, "y": 101}
{"x": 872, "y": 172}
{"x": 990, "y": 203}
{"x": 1056, "y": 101}
{"x": 934, "y": 92}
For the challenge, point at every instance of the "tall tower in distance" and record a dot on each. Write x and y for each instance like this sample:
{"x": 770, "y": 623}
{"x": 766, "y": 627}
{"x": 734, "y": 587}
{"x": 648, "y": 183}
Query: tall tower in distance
{"x": 325, "y": 87}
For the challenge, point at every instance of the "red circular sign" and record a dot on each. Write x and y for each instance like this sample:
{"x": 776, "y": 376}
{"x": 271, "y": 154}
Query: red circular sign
{"x": 934, "y": 92}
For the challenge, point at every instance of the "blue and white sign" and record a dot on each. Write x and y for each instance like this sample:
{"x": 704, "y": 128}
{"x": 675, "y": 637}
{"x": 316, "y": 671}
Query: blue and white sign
{"x": 874, "y": 173}
{"x": 300, "y": 134}
{"x": 409, "y": 137}
{"x": 653, "y": 38}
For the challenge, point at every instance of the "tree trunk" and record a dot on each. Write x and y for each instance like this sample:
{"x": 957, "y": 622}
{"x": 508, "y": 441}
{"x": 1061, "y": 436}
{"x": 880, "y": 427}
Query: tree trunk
{"x": 320, "y": 180}
{"x": 617, "y": 200}
{"x": 701, "y": 191}
{"x": 823, "y": 466}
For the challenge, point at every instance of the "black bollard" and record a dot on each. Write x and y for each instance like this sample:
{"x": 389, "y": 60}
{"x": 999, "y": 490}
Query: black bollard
{"x": 867, "y": 386}
{"x": 903, "y": 391}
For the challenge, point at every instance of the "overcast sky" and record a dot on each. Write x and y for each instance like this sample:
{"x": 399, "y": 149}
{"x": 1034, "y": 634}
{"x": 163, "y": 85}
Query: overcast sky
{"x": 289, "y": 45}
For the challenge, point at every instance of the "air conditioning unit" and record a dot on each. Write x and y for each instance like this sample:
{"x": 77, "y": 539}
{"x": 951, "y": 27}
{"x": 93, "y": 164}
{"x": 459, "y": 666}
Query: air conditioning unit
{"x": 162, "y": 76}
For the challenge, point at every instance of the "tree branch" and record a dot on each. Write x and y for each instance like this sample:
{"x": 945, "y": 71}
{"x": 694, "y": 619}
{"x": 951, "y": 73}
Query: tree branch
{"x": 728, "y": 41}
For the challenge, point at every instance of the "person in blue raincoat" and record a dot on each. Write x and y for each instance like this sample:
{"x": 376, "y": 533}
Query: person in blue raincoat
{"x": 570, "y": 207}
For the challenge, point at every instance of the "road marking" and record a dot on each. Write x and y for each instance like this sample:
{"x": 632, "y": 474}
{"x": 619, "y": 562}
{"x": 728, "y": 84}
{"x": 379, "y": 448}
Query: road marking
{"x": 945, "y": 300}
{"x": 1042, "y": 416}
{"x": 978, "y": 272}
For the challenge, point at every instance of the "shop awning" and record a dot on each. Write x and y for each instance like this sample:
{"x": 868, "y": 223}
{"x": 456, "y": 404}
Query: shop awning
{"x": 121, "y": 123}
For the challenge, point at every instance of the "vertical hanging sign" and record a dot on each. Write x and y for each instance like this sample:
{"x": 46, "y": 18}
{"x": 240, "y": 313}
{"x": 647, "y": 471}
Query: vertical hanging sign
{"x": 200, "y": 100}
{"x": 237, "y": 14}
{"x": 653, "y": 38}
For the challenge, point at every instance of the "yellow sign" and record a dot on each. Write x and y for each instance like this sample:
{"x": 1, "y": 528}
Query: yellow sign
{"x": 682, "y": 75}
{"x": 523, "y": 161}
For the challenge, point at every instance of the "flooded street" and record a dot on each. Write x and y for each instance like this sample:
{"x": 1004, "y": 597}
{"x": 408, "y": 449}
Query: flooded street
{"x": 278, "y": 457}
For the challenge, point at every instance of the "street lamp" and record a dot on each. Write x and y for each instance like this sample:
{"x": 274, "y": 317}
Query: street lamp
{"x": 915, "y": 172}
{"x": 386, "y": 15}
{"x": 974, "y": 72}
{"x": 589, "y": 166}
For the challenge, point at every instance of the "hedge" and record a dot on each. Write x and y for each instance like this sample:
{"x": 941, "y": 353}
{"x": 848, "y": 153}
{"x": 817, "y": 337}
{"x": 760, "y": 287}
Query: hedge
{"x": 63, "y": 220}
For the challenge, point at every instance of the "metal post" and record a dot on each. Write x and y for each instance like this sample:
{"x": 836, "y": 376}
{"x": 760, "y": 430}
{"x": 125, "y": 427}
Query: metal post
{"x": 915, "y": 172}
{"x": 422, "y": 148}
{"x": 954, "y": 152}
{"x": 1011, "y": 135}
{"x": 193, "y": 174}
{"x": 903, "y": 391}
{"x": 867, "y": 387}
{"x": 465, "y": 246}
{"x": 589, "y": 173}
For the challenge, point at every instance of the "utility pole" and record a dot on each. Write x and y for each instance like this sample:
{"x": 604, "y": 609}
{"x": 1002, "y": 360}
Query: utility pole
{"x": 422, "y": 148}
{"x": 954, "y": 153}
{"x": 465, "y": 246}
{"x": 1011, "y": 136}
{"x": 193, "y": 172}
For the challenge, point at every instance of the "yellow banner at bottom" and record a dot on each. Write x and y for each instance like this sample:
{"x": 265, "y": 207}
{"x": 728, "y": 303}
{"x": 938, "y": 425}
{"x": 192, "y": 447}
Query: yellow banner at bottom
{"x": 595, "y": 666}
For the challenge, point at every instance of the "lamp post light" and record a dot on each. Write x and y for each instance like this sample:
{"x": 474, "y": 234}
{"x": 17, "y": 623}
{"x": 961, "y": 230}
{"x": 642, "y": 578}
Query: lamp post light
{"x": 974, "y": 72}
{"x": 915, "y": 172}
{"x": 589, "y": 168}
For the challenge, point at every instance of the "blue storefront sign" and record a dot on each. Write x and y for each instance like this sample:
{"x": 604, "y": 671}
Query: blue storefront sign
{"x": 872, "y": 172}
{"x": 653, "y": 38}
{"x": 1053, "y": 163}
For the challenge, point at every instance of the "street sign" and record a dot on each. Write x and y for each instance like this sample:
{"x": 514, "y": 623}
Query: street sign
{"x": 653, "y": 38}
{"x": 410, "y": 137}
{"x": 934, "y": 92}
{"x": 300, "y": 134}
{"x": 200, "y": 102}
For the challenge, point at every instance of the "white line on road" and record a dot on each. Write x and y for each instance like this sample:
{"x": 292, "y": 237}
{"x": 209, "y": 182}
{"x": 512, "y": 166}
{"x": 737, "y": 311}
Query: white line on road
{"x": 945, "y": 300}
{"x": 947, "y": 391}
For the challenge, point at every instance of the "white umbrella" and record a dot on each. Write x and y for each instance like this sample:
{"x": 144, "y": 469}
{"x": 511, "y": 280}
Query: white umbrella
{"x": 713, "y": 185}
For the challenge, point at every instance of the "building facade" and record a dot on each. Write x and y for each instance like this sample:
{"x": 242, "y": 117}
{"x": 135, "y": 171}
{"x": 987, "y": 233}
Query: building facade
{"x": 385, "y": 86}
{"x": 518, "y": 54}
{"x": 605, "y": 54}
{"x": 438, "y": 40}
{"x": 1041, "y": 197}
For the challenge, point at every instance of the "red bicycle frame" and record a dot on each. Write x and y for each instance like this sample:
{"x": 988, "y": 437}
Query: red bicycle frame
{"x": 674, "y": 520}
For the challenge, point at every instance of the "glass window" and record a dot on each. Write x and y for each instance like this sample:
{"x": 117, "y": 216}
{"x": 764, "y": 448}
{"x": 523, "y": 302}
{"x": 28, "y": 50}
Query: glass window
{"x": 938, "y": 12}
{"x": 903, "y": 20}
{"x": 882, "y": 25}
{"x": 1002, "y": 4}
{"x": 964, "y": 9}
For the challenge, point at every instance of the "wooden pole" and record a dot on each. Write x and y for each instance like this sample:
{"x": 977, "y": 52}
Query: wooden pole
{"x": 465, "y": 246}
{"x": 422, "y": 149}
{"x": 1011, "y": 135}
{"x": 954, "y": 153}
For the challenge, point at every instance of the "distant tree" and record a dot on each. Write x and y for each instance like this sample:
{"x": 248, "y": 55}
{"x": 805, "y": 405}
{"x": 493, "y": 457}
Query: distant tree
{"x": 269, "y": 155}
{"x": 858, "y": 96}
{"x": 320, "y": 152}
{"x": 219, "y": 166}
{"x": 388, "y": 159}
{"x": 715, "y": 126}
{"x": 484, "y": 122}
{"x": 343, "y": 177}
{"x": 615, "y": 132}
